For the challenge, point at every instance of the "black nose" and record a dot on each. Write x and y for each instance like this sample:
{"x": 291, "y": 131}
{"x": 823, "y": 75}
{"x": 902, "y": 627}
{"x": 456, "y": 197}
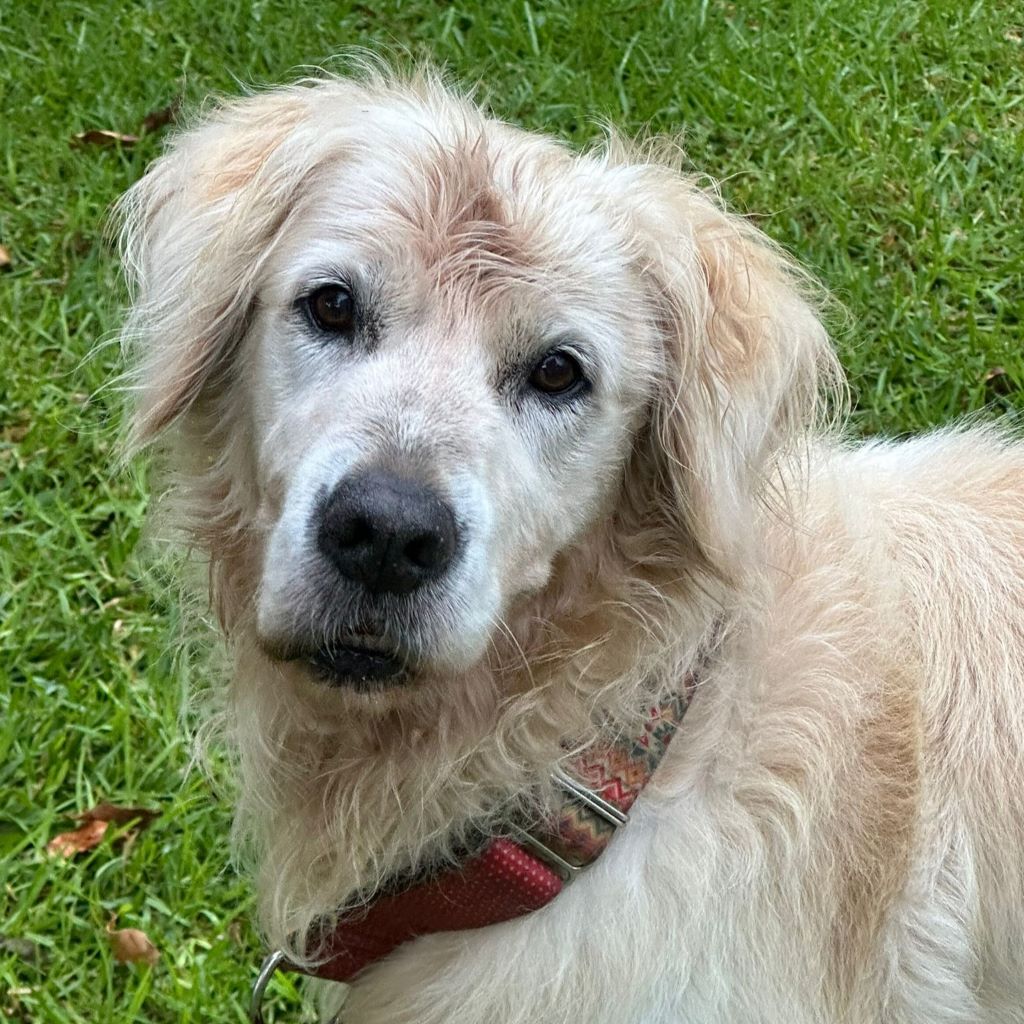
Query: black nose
{"x": 387, "y": 532}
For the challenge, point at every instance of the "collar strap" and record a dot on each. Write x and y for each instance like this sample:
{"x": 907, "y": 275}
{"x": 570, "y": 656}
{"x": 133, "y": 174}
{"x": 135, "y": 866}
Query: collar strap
{"x": 509, "y": 877}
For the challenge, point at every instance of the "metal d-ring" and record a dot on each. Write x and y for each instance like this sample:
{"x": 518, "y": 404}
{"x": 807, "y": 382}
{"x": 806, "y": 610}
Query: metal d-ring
{"x": 267, "y": 970}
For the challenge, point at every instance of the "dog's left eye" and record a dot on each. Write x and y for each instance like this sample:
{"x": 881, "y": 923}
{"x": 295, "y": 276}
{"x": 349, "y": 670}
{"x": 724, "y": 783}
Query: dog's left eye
{"x": 332, "y": 309}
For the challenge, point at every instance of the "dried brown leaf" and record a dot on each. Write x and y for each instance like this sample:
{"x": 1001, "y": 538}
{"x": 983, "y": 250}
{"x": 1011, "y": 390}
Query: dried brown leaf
{"x": 119, "y": 815}
{"x": 67, "y": 844}
{"x": 103, "y": 137}
{"x": 131, "y": 945}
{"x": 157, "y": 119}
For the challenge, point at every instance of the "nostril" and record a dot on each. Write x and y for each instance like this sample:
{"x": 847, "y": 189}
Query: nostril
{"x": 428, "y": 551}
{"x": 353, "y": 532}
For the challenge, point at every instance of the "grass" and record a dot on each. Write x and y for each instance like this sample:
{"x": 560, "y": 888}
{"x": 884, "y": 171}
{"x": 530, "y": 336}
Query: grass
{"x": 882, "y": 142}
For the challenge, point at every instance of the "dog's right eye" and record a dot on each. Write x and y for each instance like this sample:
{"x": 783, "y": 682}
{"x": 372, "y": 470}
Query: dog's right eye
{"x": 558, "y": 374}
{"x": 333, "y": 309}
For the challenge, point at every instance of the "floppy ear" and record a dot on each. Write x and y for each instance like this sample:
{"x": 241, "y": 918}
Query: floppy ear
{"x": 196, "y": 231}
{"x": 746, "y": 364}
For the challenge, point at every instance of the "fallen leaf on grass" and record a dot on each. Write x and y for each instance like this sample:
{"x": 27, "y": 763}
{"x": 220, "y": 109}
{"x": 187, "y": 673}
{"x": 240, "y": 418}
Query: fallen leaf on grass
{"x": 67, "y": 844}
{"x": 104, "y": 137}
{"x": 130, "y": 945}
{"x": 119, "y": 815}
{"x": 94, "y": 825}
{"x": 5, "y": 257}
{"x": 153, "y": 121}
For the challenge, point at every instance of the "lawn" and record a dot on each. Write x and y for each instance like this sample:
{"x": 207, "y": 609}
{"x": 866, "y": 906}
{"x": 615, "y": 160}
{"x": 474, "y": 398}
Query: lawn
{"x": 882, "y": 142}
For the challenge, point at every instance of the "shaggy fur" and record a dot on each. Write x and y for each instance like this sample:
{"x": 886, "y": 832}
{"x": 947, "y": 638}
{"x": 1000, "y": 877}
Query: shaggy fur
{"x": 837, "y": 833}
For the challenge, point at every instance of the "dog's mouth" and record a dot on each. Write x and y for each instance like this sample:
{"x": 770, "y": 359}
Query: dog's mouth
{"x": 360, "y": 661}
{"x": 358, "y": 666}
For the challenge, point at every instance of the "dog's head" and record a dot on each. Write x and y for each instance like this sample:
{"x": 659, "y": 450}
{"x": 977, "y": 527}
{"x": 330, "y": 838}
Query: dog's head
{"x": 419, "y": 362}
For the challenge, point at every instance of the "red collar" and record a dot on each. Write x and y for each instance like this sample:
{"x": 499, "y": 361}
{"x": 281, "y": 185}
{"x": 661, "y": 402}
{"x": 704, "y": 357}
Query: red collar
{"x": 508, "y": 878}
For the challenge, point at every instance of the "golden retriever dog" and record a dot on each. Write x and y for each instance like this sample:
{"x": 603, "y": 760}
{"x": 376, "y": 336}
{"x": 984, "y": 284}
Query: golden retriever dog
{"x": 488, "y": 444}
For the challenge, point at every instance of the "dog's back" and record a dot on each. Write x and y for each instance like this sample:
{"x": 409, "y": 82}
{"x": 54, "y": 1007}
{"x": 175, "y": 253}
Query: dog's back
{"x": 899, "y": 590}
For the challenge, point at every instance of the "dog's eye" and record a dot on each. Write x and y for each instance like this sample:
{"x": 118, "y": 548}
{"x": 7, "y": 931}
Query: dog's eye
{"x": 333, "y": 309}
{"x": 557, "y": 373}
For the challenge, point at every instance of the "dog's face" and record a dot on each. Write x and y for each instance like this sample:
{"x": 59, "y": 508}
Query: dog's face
{"x": 449, "y": 383}
{"x": 426, "y": 354}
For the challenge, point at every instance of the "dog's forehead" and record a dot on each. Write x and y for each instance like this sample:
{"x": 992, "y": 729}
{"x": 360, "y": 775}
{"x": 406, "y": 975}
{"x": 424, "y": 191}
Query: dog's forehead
{"x": 486, "y": 209}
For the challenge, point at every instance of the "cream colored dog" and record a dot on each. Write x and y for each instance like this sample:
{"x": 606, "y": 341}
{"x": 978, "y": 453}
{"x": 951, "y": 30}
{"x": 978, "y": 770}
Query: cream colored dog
{"x": 488, "y": 443}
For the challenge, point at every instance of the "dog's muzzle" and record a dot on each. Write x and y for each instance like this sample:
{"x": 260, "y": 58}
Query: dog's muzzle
{"x": 384, "y": 545}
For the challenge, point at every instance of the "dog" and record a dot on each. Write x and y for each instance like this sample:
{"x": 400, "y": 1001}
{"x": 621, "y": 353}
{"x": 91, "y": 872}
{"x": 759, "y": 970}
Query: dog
{"x": 488, "y": 445}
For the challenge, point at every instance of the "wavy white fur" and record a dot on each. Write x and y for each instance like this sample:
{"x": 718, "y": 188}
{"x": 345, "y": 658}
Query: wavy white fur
{"x": 838, "y": 832}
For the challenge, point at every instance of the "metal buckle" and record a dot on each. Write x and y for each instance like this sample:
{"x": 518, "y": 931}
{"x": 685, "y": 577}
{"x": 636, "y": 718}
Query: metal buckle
{"x": 565, "y": 869}
{"x": 259, "y": 986}
{"x": 594, "y": 801}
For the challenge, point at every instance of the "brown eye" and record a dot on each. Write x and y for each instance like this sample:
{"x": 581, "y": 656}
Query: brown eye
{"x": 556, "y": 374}
{"x": 332, "y": 309}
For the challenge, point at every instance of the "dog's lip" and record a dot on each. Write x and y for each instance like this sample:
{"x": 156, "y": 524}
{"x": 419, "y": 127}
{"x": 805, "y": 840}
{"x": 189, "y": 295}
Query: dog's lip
{"x": 359, "y": 666}
{"x": 357, "y": 660}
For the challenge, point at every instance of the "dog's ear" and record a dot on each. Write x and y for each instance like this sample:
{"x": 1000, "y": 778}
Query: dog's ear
{"x": 197, "y": 229}
{"x": 746, "y": 363}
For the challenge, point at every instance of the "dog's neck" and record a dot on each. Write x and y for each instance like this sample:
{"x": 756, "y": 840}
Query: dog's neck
{"x": 338, "y": 795}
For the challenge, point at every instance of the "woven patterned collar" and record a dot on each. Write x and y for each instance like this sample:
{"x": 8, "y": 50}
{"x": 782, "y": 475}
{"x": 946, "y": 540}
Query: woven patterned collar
{"x": 509, "y": 877}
